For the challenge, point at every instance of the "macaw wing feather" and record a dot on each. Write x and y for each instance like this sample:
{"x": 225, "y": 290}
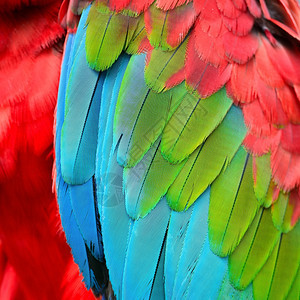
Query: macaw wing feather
{"x": 192, "y": 196}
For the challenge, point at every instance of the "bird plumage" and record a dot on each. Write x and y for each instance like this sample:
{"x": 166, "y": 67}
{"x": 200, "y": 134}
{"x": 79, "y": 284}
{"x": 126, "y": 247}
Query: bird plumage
{"x": 193, "y": 148}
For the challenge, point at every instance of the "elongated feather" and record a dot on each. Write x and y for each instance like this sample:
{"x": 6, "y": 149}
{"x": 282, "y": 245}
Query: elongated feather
{"x": 195, "y": 235}
{"x": 87, "y": 217}
{"x": 107, "y": 35}
{"x": 162, "y": 65}
{"x": 282, "y": 212}
{"x": 116, "y": 225}
{"x": 109, "y": 178}
{"x": 140, "y": 116}
{"x": 211, "y": 269}
{"x": 192, "y": 123}
{"x": 79, "y": 135}
{"x": 207, "y": 162}
{"x": 254, "y": 250}
{"x": 276, "y": 277}
{"x": 231, "y": 192}
{"x": 144, "y": 250}
{"x": 177, "y": 231}
{"x": 166, "y": 29}
{"x": 72, "y": 232}
{"x": 142, "y": 189}
{"x": 262, "y": 176}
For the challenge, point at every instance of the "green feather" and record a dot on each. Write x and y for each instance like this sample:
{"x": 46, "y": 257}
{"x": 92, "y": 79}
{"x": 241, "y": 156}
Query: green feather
{"x": 157, "y": 33}
{"x": 140, "y": 116}
{"x": 231, "y": 193}
{"x": 253, "y": 251}
{"x": 147, "y": 182}
{"x": 194, "y": 120}
{"x": 162, "y": 65}
{"x": 271, "y": 195}
{"x": 295, "y": 290}
{"x": 282, "y": 212}
{"x": 263, "y": 176}
{"x": 106, "y": 36}
{"x": 276, "y": 277}
{"x": 135, "y": 45}
{"x": 206, "y": 163}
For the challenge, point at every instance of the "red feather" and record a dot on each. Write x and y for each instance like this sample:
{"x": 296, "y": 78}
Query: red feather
{"x": 286, "y": 168}
{"x": 209, "y": 48}
{"x": 170, "y": 4}
{"x": 228, "y": 9}
{"x": 202, "y": 76}
{"x": 253, "y": 7}
{"x": 242, "y": 82}
{"x": 286, "y": 62}
{"x": 38, "y": 262}
{"x": 240, "y": 48}
{"x": 240, "y": 26}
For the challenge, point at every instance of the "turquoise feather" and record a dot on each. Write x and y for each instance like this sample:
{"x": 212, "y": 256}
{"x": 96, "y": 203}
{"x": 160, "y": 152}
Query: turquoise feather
{"x": 79, "y": 135}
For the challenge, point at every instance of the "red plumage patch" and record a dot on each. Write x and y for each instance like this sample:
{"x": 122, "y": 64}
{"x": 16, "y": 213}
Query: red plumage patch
{"x": 38, "y": 262}
{"x": 201, "y": 76}
{"x": 239, "y": 48}
{"x": 28, "y": 31}
{"x": 286, "y": 168}
{"x": 170, "y": 4}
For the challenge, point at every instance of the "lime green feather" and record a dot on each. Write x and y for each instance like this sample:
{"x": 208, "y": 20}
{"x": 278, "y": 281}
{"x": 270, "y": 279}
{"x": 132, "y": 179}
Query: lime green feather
{"x": 282, "y": 212}
{"x": 135, "y": 45}
{"x": 157, "y": 31}
{"x": 194, "y": 121}
{"x": 263, "y": 175}
{"x": 163, "y": 64}
{"x": 206, "y": 163}
{"x": 254, "y": 249}
{"x": 147, "y": 182}
{"x": 275, "y": 279}
{"x": 231, "y": 193}
{"x": 295, "y": 290}
{"x": 271, "y": 195}
{"x": 141, "y": 114}
{"x": 106, "y": 36}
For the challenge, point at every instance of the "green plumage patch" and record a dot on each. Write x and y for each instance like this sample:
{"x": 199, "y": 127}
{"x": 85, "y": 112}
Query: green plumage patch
{"x": 162, "y": 65}
{"x": 253, "y": 251}
{"x": 193, "y": 122}
{"x": 233, "y": 205}
{"x": 207, "y": 162}
{"x": 262, "y": 176}
{"x": 277, "y": 276}
{"x": 282, "y": 212}
{"x": 106, "y": 36}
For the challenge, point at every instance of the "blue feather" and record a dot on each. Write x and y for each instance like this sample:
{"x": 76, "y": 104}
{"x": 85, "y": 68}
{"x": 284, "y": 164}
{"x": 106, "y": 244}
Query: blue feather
{"x": 193, "y": 243}
{"x": 87, "y": 217}
{"x": 134, "y": 89}
{"x": 79, "y": 135}
{"x": 143, "y": 252}
{"x": 208, "y": 275}
{"x": 116, "y": 225}
{"x": 72, "y": 232}
{"x": 73, "y": 235}
{"x": 69, "y": 222}
{"x": 175, "y": 240}
{"x": 110, "y": 90}
{"x": 158, "y": 287}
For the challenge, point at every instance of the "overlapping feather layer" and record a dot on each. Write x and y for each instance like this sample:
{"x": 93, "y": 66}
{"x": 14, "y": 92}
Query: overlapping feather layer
{"x": 210, "y": 111}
